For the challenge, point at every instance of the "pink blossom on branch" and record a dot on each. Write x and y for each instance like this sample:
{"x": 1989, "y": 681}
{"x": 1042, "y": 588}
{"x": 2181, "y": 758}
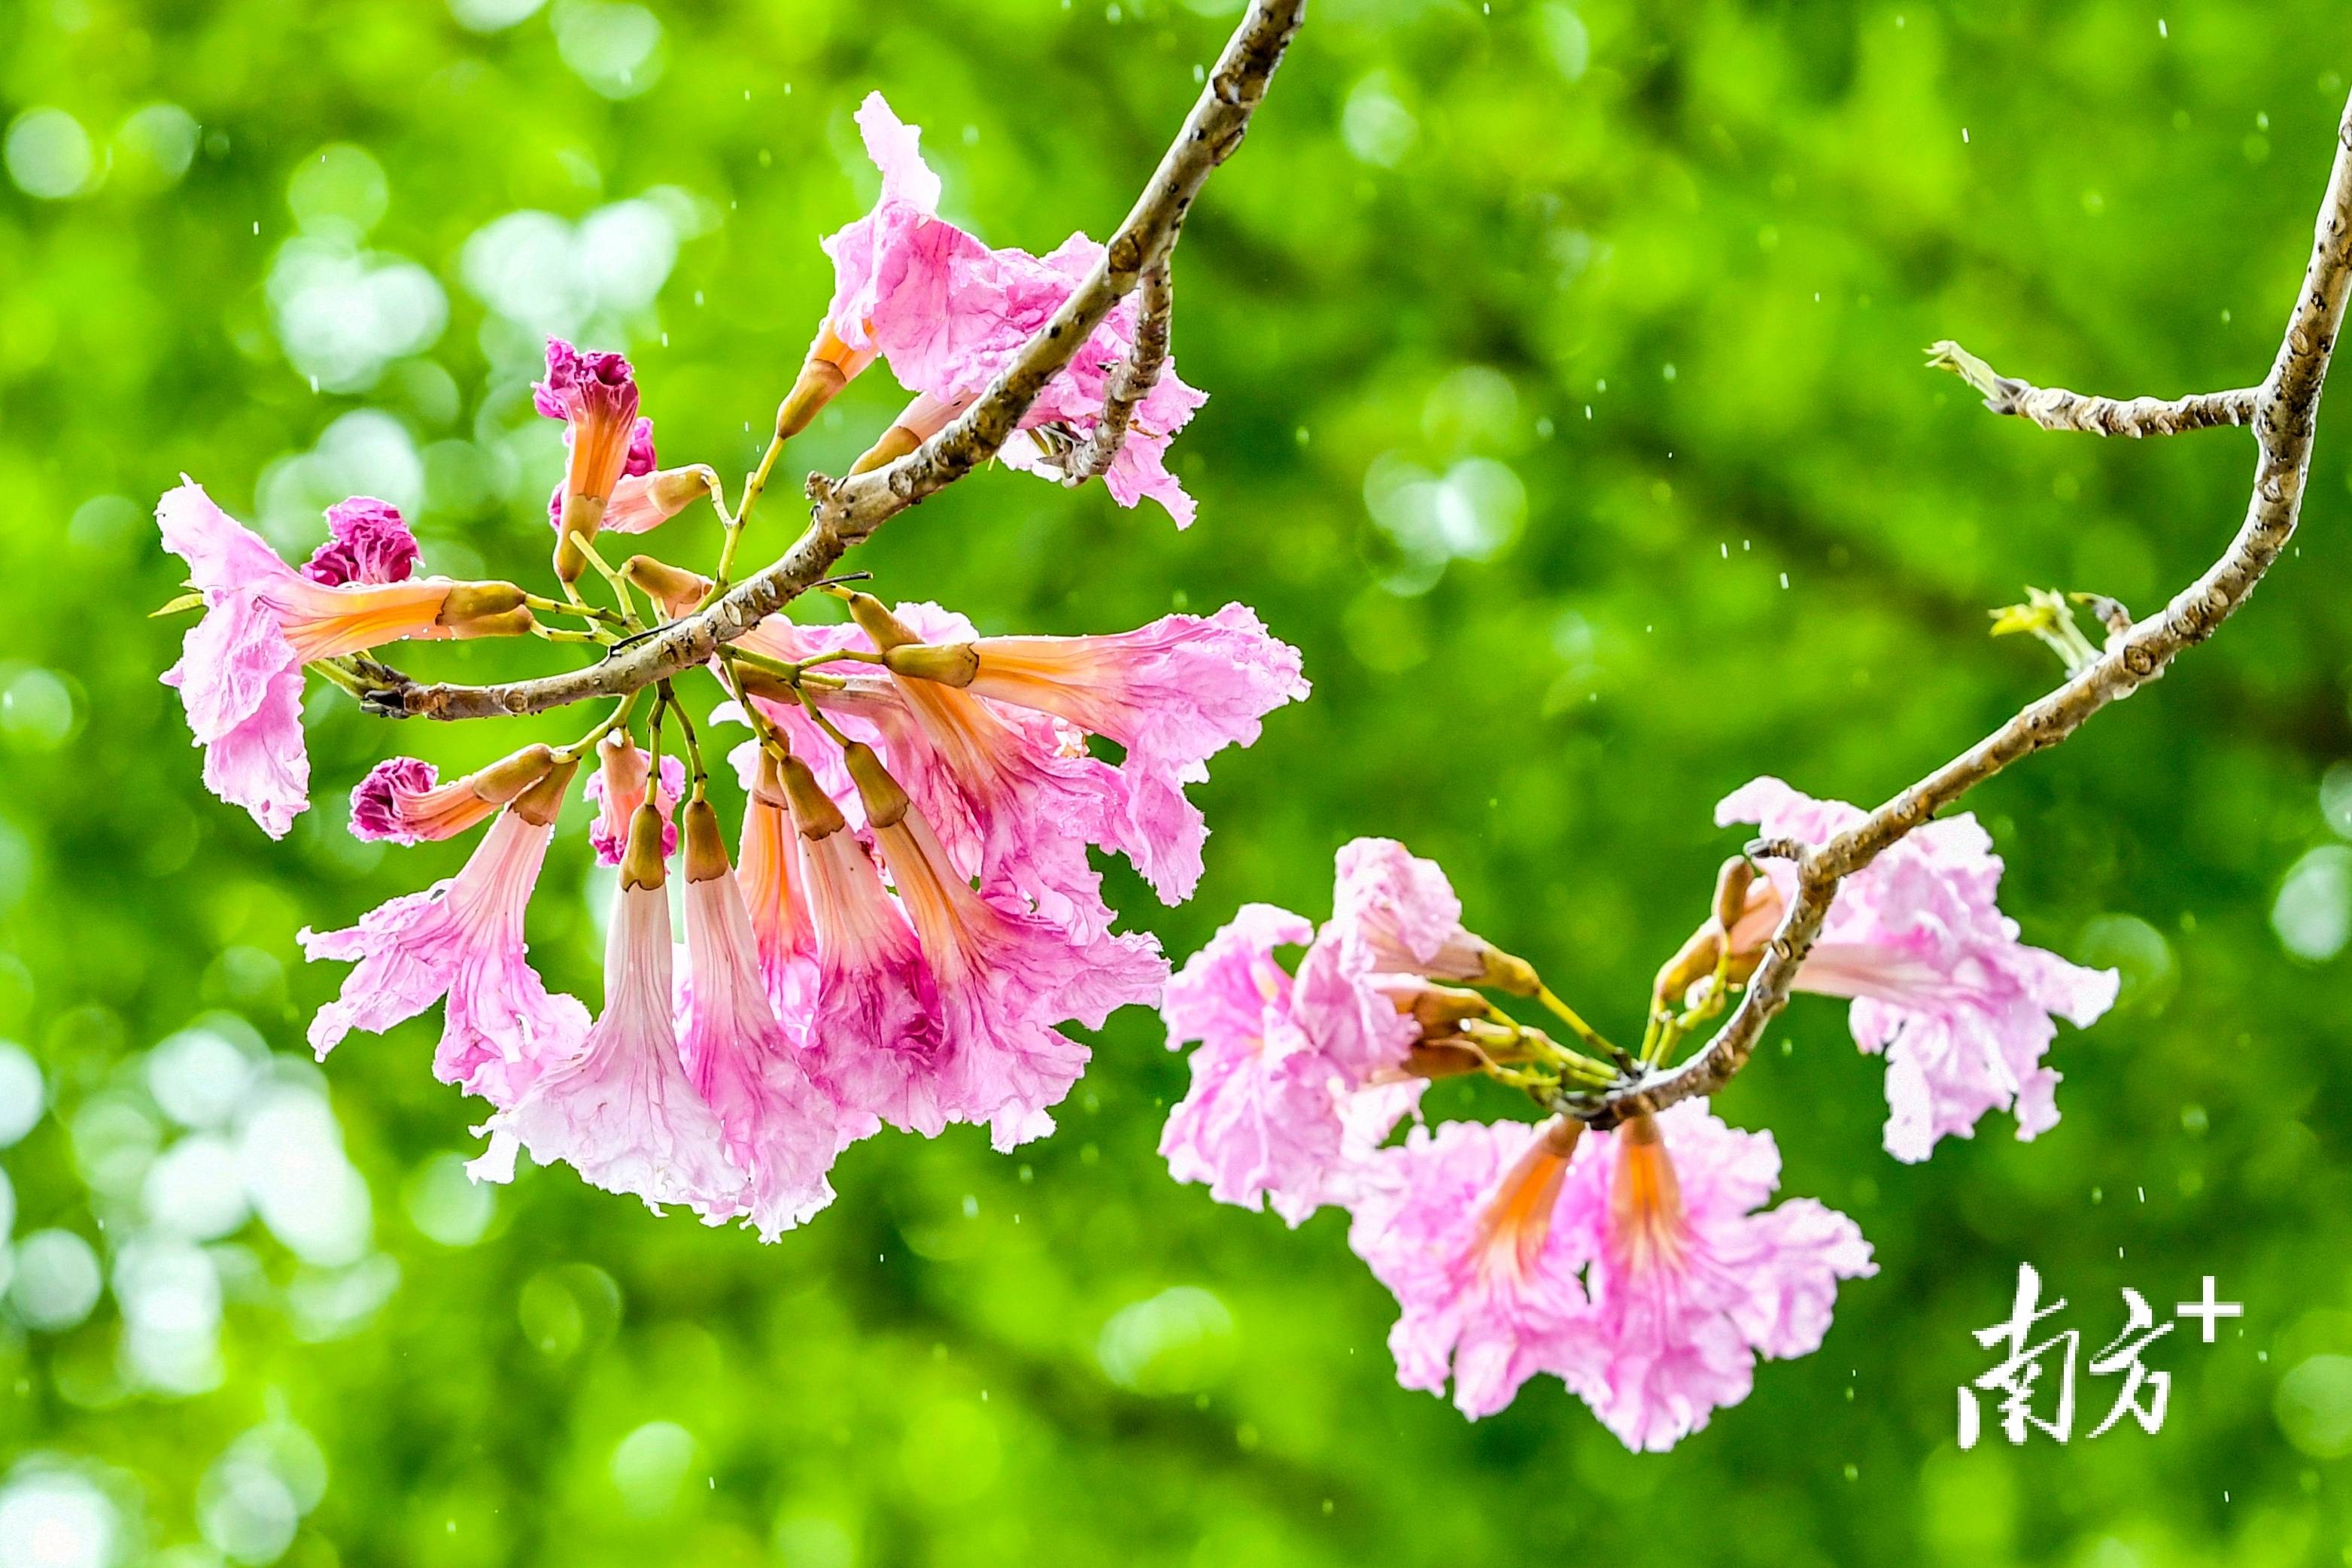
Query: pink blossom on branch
{"x": 1465, "y": 1225}
{"x": 1173, "y": 694}
{"x": 403, "y": 799}
{"x": 1279, "y": 1112}
{"x": 622, "y": 1111}
{"x": 782, "y": 1128}
{"x": 875, "y": 1033}
{"x": 1691, "y": 1278}
{"x": 783, "y": 929}
{"x": 1639, "y": 1267}
{"x": 949, "y": 312}
{"x": 618, "y": 787}
{"x": 240, "y": 673}
{"x": 367, "y": 542}
{"x": 596, "y": 395}
{"x": 462, "y": 939}
{"x": 1397, "y": 913}
{"x": 1004, "y": 977}
{"x": 1964, "y": 1011}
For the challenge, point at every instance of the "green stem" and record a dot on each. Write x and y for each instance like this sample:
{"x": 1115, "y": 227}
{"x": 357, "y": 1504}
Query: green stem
{"x": 587, "y": 742}
{"x": 693, "y": 741}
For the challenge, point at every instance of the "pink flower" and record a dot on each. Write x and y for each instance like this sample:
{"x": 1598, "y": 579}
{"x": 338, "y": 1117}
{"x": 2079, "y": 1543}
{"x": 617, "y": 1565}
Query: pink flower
{"x": 464, "y": 938}
{"x": 1466, "y": 1227}
{"x": 368, "y": 542}
{"x": 780, "y": 1127}
{"x": 595, "y": 394}
{"x": 1691, "y": 1278}
{"x": 1398, "y": 914}
{"x": 641, "y": 497}
{"x": 618, "y": 788}
{"x": 876, "y": 1032}
{"x": 1173, "y": 694}
{"x": 401, "y": 800}
{"x": 949, "y": 313}
{"x": 1940, "y": 979}
{"x": 240, "y": 673}
{"x": 1015, "y": 797}
{"x": 642, "y": 501}
{"x": 783, "y": 928}
{"x": 1003, "y": 977}
{"x": 622, "y": 1111}
{"x": 1279, "y": 1111}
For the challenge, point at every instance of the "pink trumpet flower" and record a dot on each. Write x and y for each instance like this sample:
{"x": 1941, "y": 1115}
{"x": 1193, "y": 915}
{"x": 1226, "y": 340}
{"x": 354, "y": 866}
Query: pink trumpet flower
{"x": 947, "y": 313}
{"x": 1691, "y": 1278}
{"x": 617, "y": 788}
{"x": 783, "y": 928}
{"x": 876, "y": 1032}
{"x": 1172, "y": 694}
{"x": 1034, "y": 800}
{"x": 402, "y": 800}
{"x": 596, "y": 395}
{"x": 1280, "y": 1112}
{"x": 463, "y": 938}
{"x": 1466, "y": 1225}
{"x": 1964, "y": 1011}
{"x": 1003, "y": 977}
{"x": 622, "y": 1111}
{"x": 240, "y": 673}
{"x": 1398, "y": 914}
{"x": 780, "y": 1127}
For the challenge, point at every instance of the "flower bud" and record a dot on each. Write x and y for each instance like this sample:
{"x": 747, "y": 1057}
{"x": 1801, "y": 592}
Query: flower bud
{"x": 642, "y": 866}
{"x": 1507, "y": 973}
{"x": 769, "y": 787}
{"x": 676, "y": 590}
{"x": 813, "y": 811}
{"x": 831, "y": 365}
{"x": 1440, "y": 1010}
{"x": 485, "y": 609}
{"x": 540, "y": 803}
{"x": 949, "y": 664}
{"x": 886, "y": 804}
{"x": 920, "y": 420}
{"x": 706, "y": 847}
{"x": 1731, "y": 885}
{"x": 876, "y": 620}
{"x": 642, "y": 501}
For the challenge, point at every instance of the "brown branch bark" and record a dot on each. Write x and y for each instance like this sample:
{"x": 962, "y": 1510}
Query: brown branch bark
{"x": 2055, "y": 408}
{"x": 2283, "y": 414}
{"x": 846, "y": 510}
{"x": 1133, "y": 381}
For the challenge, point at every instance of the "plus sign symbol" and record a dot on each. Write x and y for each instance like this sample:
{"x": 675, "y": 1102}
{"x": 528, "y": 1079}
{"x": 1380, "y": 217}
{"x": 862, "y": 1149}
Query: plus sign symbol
{"x": 2209, "y": 1310}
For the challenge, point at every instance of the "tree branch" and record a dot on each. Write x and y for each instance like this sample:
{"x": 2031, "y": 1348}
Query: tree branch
{"x": 845, "y": 512}
{"x": 1133, "y": 381}
{"x": 2055, "y": 408}
{"x": 2285, "y": 412}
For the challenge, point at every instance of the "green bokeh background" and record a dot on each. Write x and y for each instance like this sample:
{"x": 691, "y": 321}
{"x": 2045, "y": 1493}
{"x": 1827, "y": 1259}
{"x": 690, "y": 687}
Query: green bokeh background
{"x": 1568, "y": 413}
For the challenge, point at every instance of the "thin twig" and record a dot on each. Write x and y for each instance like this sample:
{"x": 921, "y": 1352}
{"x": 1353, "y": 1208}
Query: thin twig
{"x": 1133, "y": 381}
{"x": 847, "y": 511}
{"x": 2055, "y": 408}
{"x": 2285, "y": 408}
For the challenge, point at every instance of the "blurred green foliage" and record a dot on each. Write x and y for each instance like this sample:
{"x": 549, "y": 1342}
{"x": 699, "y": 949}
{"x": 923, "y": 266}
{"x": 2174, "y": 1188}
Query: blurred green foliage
{"x": 1567, "y": 411}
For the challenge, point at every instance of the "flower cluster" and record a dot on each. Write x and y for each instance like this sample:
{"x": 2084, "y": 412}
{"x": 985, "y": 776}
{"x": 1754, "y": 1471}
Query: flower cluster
{"x": 946, "y": 313}
{"x": 914, "y": 922}
{"x": 240, "y": 670}
{"x": 1963, "y": 1010}
{"x": 900, "y": 952}
{"x": 1639, "y": 1266}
